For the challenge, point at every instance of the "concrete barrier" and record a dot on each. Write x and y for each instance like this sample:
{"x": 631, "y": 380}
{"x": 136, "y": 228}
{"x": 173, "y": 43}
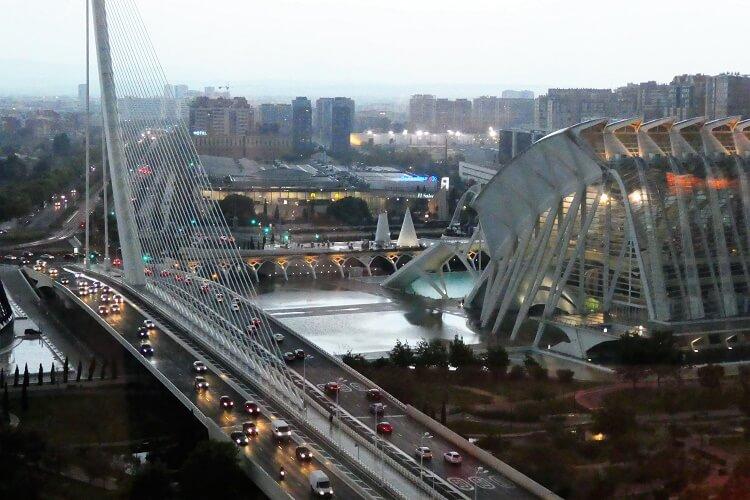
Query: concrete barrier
{"x": 475, "y": 451}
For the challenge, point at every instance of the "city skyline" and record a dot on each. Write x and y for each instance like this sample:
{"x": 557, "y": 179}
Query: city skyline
{"x": 557, "y": 51}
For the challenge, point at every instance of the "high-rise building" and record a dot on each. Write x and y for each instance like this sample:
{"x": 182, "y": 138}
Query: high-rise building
{"x": 687, "y": 96}
{"x": 422, "y": 112}
{"x": 221, "y": 116}
{"x": 322, "y": 120}
{"x": 516, "y": 112}
{"x": 540, "y": 113}
{"x": 485, "y": 110}
{"x": 302, "y": 125}
{"x": 275, "y": 118}
{"x": 342, "y": 124}
{"x": 462, "y": 115}
{"x": 566, "y": 107}
{"x": 517, "y": 94}
{"x": 728, "y": 94}
{"x": 444, "y": 115}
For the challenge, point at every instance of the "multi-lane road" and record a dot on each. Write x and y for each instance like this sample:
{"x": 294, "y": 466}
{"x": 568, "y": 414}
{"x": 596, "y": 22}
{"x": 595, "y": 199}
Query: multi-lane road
{"x": 175, "y": 362}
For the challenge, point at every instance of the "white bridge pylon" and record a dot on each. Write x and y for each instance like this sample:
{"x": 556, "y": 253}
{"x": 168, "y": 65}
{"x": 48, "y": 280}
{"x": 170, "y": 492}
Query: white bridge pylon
{"x": 157, "y": 181}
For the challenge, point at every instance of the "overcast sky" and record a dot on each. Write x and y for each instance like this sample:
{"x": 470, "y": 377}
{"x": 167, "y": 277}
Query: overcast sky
{"x": 390, "y": 47}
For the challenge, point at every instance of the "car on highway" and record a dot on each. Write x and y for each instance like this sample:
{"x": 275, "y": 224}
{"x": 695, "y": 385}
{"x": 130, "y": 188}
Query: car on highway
{"x": 226, "y": 403}
{"x": 250, "y": 330}
{"x": 281, "y": 430}
{"x": 423, "y": 453}
{"x": 255, "y": 322}
{"x": 374, "y": 395}
{"x": 199, "y": 367}
{"x": 117, "y": 299}
{"x": 28, "y": 255}
{"x": 83, "y": 292}
{"x": 149, "y": 323}
{"x": 200, "y": 384}
{"x": 377, "y": 408}
{"x": 11, "y": 257}
{"x": 303, "y": 453}
{"x": 104, "y": 298}
{"x": 53, "y": 272}
{"x": 299, "y": 354}
{"x": 103, "y": 310}
{"x": 220, "y": 297}
{"x": 25, "y": 262}
{"x": 142, "y": 332}
{"x": 453, "y": 457}
{"x": 114, "y": 308}
{"x": 105, "y": 289}
{"x": 384, "y": 428}
{"x": 46, "y": 256}
{"x": 332, "y": 387}
{"x": 278, "y": 337}
{"x": 289, "y": 357}
{"x": 65, "y": 281}
{"x": 164, "y": 273}
{"x": 204, "y": 288}
{"x": 249, "y": 428}
{"x": 320, "y": 485}
{"x": 239, "y": 438}
{"x": 235, "y": 306}
{"x": 251, "y": 408}
{"x": 146, "y": 349}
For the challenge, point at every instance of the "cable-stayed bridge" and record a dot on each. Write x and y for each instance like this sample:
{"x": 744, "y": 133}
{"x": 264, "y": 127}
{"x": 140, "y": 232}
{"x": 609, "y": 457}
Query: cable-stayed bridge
{"x": 170, "y": 237}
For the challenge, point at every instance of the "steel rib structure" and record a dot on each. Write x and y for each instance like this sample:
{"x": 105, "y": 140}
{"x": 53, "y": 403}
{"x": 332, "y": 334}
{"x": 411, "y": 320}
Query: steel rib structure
{"x": 640, "y": 223}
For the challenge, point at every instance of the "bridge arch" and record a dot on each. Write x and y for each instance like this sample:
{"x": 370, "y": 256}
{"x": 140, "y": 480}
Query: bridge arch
{"x": 402, "y": 260}
{"x": 270, "y": 269}
{"x": 353, "y": 262}
{"x": 299, "y": 267}
{"x": 380, "y": 265}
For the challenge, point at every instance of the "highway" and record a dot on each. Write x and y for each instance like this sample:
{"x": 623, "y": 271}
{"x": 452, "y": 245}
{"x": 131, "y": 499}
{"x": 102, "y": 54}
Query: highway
{"x": 174, "y": 361}
{"x": 451, "y": 481}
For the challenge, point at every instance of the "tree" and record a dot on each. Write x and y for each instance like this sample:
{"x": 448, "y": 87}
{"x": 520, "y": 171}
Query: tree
{"x": 516, "y": 372}
{"x": 276, "y": 214}
{"x": 564, "y": 375}
{"x": 710, "y": 376}
{"x": 2, "y": 377}
{"x": 534, "y": 369}
{"x": 79, "y": 371}
{"x": 497, "y": 361}
{"x": 738, "y": 484}
{"x": 24, "y": 398}
{"x": 459, "y": 354}
{"x": 6, "y": 405}
{"x": 103, "y": 370}
{"x": 15, "y": 377}
{"x": 52, "y": 377}
{"x": 26, "y": 374}
{"x": 40, "y": 375}
{"x": 632, "y": 374}
{"x": 239, "y": 207}
{"x": 61, "y": 145}
{"x": 401, "y": 355}
{"x": 614, "y": 419}
{"x": 92, "y": 368}
{"x": 351, "y": 211}
{"x": 432, "y": 353}
{"x": 151, "y": 481}
{"x": 66, "y": 369}
{"x": 211, "y": 467}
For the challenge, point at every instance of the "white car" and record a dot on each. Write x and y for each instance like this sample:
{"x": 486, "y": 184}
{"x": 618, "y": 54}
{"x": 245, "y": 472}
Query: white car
{"x": 453, "y": 457}
{"x": 423, "y": 452}
{"x": 199, "y": 367}
{"x": 278, "y": 337}
{"x": 149, "y": 323}
{"x": 235, "y": 306}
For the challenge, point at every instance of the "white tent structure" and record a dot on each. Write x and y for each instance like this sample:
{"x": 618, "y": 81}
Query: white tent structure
{"x": 383, "y": 232}
{"x": 408, "y": 235}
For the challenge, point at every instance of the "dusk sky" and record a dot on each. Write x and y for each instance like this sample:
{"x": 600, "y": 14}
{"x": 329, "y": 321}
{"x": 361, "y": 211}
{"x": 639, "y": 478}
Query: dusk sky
{"x": 389, "y": 47}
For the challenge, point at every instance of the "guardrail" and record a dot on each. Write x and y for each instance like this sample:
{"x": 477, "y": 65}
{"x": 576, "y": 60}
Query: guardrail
{"x": 506, "y": 470}
{"x": 292, "y": 411}
{"x": 262, "y": 479}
